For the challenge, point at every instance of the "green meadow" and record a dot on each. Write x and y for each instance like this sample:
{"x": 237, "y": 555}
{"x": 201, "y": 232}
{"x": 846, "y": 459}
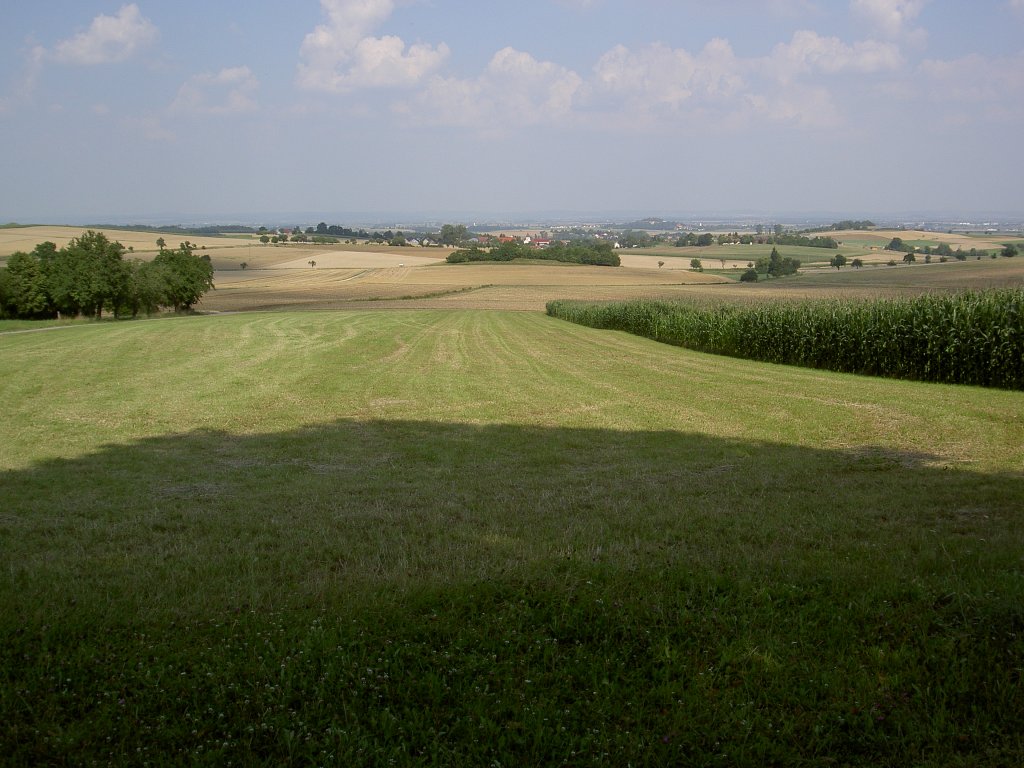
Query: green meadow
{"x": 430, "y": 537}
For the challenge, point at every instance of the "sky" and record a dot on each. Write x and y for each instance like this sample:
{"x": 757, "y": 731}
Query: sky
{"x": 357, "y": 109}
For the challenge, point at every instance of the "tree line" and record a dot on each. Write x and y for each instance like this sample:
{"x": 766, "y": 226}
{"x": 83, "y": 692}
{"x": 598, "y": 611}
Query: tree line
{"x": 90, "y": 276}
{"x": 705, "y": 239}
{"x": 595, "y": 252}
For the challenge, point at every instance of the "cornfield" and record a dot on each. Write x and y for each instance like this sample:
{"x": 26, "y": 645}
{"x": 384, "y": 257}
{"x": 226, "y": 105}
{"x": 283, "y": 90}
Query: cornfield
{"x": 966, "y": 338}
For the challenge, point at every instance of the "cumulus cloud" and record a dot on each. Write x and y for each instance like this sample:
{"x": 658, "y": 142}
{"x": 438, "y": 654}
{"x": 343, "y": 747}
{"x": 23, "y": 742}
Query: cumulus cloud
{"x": 891, "y": 17}
{"x": 663, "y": 78}
{"x": 809, "y": 53}
{"x": 229, "y": 91}
{"x": 108, "y": 39}
{"x": 342, "y": 55}
{"x": 661, "y": 87}
{"x": 514, "y": 89}
{"x": 658, "y": 87}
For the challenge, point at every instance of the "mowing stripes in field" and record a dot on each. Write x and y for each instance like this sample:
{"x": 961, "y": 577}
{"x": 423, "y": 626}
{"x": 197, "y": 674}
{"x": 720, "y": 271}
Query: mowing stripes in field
{"x": 966, "y": 338}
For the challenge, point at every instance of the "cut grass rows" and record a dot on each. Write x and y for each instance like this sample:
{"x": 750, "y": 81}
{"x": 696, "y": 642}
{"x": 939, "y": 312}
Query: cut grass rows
{"x": 441, "y": 538}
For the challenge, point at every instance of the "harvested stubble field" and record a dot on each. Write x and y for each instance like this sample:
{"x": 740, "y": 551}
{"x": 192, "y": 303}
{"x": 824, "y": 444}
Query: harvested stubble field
{"x": 531, "y": 286}
{"x": 480, "y": 285}
{"x": 13, "y": 239}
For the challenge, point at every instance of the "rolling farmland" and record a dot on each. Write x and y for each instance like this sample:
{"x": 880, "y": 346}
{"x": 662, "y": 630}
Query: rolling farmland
{"x": 459, "y": 536}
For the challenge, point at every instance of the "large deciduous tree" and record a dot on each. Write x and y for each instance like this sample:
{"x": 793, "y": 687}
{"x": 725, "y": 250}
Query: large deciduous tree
{"x": 186, "y": 276}
{"x": 25, "y": 286}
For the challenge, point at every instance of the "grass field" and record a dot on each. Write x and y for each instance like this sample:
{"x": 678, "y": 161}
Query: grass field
{"x": 480, "y": 538}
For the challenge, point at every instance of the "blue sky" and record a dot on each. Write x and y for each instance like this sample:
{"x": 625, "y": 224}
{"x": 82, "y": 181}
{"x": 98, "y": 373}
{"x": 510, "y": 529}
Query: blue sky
{"x": 353, "y": 108}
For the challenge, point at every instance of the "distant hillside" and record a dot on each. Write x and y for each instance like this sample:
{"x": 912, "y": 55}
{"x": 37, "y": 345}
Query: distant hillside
{"x": 650, "y": 224}
{"x": 206, "y": 231}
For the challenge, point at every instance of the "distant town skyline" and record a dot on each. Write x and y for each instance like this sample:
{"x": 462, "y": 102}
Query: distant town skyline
{"x": 378, "y": 109}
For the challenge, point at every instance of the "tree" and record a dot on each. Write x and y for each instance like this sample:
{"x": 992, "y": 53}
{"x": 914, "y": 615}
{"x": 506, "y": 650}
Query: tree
{"x": 312, "y": 263}
{"x": 838, "y": 261}
{"x": 634, "y": 239}
{"x": 6, "y": 310}
{"x": 244, "y": 265}
{"x": 186, "y": 276}
{"x": 160, "y": 243}
{"x": 264, "y": 239}
{"x": 1010, "y": 250}
{"x": 897, "y": 244}
{"x": 92, "y": 273}
{"x": 25, "y": 288}
{"x": 453, "y": 234}
{"x": 777, "y": 266}
{"x": 661, "y": 264}
{"x": 146, "y": 287}
{"x": 706, "y": 239}
{"x": 696, "y": 264}
{"x": 856, "y": 263}
{"x": 909, "y": 257}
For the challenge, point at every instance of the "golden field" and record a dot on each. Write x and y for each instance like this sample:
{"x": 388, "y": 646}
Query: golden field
{"x": 349, "y": 276}
{"x": 14, "y": 239}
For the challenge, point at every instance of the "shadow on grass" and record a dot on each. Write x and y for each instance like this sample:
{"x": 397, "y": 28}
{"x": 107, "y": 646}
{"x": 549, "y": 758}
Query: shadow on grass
{"x": 441, "y": 593}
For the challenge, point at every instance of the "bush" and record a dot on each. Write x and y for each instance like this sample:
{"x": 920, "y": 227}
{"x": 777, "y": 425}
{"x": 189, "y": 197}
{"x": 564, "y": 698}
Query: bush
{"x": 750, "y": 276}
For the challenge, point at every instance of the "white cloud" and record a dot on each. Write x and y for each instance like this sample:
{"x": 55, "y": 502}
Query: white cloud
{"x": 804, "y": 106}
{"x": 656, "y": 87}
{"x": 891, "y": 17}
{"x": 810, "y": 53}
{"x": 668, "y": 77}
{"x": 514, "y": 89}
{"x": 341, "y": 55}
{"x": 108, "y": 39}
{"x": 227, "y": 92}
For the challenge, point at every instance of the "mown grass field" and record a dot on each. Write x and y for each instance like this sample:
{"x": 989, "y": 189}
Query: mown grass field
{"x": 465, "y": 537}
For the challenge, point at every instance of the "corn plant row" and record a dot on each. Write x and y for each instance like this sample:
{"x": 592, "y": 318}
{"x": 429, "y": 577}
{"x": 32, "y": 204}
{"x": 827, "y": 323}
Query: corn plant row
{"x": 965, "y": 338}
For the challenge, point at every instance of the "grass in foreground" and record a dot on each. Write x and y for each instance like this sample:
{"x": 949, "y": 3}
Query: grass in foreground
{"x": 482, "y": 538}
